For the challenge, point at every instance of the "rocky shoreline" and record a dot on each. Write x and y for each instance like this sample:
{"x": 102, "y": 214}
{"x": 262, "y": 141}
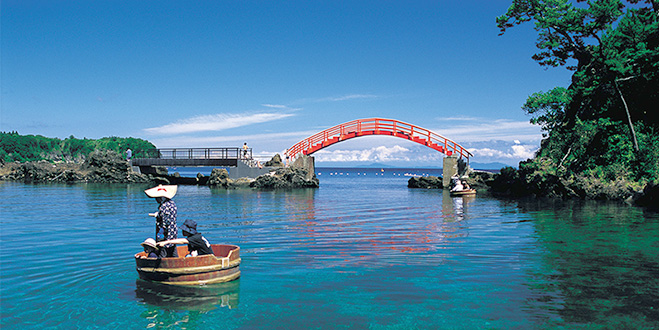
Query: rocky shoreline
{"x": 107, "y": 167}
{"x": 511, "y": 183}
{"x": 104, "y": 166}
{"x": 98, "y": 167}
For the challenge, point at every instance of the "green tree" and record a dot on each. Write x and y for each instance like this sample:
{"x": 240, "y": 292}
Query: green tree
{"x": 548, "y": 108}
{"x": 23, "y": 148}
{"x": 610, "y": 44}
{"x": 613, "y": 49}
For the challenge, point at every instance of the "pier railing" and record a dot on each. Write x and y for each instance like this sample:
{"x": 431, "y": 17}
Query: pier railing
{"x": 193, "y": 157}
{"x": 198, "y": 153}
{"x": 377, "y": 126}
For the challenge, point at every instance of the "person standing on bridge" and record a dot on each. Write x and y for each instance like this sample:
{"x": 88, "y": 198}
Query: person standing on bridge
{"x": 165, "y": 218}
{"x": 245, "y": 148}
{"x": 129, "y": 154}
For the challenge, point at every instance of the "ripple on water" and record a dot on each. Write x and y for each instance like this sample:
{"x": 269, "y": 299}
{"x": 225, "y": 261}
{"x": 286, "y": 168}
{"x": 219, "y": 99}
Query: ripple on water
{"x": 351, "y": 253}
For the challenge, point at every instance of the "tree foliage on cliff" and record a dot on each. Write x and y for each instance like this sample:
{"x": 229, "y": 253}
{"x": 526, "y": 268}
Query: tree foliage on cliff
{"x": 605, "y": 122}
{"x": 22, "y": 148}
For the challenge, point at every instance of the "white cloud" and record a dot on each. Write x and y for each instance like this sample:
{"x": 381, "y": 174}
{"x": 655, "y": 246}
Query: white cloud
{"x": 286, "y": 139}
{"x": 216, "y": 122}
{"x": 337, "y": 98}
{"x": 515, "y": 152}
{"x": 523, "y": 152}
{"x": 349, "y": 97}
{"x": 459, "y": 118}
{"x": 280, "y": 107}
{"x": 276, "y": 106}
{"x": 501, "y": 129}
{"x": 377, "y": 154}
{"x": 488, "y": 141}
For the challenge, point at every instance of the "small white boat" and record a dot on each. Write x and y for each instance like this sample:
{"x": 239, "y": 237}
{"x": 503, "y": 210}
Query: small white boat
{"x": 464, "y": 192}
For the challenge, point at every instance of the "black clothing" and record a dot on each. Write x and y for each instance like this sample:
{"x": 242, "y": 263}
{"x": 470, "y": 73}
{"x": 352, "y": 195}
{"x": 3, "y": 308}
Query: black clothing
{"x": 198, "y": 243}
{"x": 168, "y": 252}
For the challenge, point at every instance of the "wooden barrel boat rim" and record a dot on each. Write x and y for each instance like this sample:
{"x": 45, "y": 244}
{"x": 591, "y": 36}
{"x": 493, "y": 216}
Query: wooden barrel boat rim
{"x": 203, "y": 282}
{"x": 190, "y": 270}
{"x": 236, "y": 249}
{"x": 221, "y": 266}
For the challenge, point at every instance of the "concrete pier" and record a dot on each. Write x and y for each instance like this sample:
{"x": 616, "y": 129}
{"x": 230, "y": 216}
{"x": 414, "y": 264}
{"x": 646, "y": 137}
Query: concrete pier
{"x": 449, "y": 169}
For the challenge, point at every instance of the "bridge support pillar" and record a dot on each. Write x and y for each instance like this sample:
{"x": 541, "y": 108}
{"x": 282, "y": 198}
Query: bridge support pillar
{"x": 306, "y": 163}
{"x": 449, "y": 169}
{"x": 243, "y": 170}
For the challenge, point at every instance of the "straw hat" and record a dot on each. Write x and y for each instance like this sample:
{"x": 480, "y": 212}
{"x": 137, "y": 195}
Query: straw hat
{"x": 161, "y": 191}
{"x": 149, "y": 242}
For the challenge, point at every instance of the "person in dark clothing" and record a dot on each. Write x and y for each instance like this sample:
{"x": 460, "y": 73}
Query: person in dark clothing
{"x": 197, "y": 244}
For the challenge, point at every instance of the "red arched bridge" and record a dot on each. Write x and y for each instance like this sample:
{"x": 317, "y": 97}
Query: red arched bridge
{"x": 377, "y": 126}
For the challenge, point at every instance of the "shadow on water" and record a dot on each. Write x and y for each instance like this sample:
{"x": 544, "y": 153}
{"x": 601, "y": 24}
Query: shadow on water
{"x": 198, "y": 298}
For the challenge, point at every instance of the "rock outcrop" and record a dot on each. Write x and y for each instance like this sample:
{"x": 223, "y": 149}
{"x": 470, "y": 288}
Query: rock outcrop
{"x": 425, "y": 182}
{"x": 649, "y": 197}
{"x": 107, "y": 167}
{"x": 478, "y": 180}
{"x": 101, "y": 166}
{"x": 43, "y": 171}
{"x": 275, "y": 161}
{"x": 289, "y": 177}
{"x": 220, "y": 178}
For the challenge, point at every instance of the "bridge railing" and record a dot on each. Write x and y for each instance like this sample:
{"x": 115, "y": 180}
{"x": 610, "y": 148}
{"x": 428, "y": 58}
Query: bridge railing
{"x": 199, "y": 153}
{"x": 377, "y": 126}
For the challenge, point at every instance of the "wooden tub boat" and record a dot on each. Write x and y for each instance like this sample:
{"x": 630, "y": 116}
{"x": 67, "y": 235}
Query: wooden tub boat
{"x": 465, "y": 192}
{"x": 222, "y": 266}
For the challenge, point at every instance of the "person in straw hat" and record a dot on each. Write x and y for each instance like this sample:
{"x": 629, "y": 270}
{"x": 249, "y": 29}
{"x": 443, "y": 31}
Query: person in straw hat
{"x": 165, "y": 217}
{"x": 150, "y": 248}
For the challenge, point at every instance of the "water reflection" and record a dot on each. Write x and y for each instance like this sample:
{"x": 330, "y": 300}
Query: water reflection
{"x": 367, "y": 233}
{"x": 456, "y": 206}
{"x": 598, "y": 264}
{"x": 197, "y": 298}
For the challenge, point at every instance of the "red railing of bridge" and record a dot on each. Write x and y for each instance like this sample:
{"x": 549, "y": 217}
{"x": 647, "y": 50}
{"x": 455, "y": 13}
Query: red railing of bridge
{"x": 377, "y": 126}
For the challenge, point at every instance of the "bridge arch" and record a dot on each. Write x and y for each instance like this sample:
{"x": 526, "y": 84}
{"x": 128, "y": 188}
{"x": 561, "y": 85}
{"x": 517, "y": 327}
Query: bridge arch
{"x": 377, "y": 126}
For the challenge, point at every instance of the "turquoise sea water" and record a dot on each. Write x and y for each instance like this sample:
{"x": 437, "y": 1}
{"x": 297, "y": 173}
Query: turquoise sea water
{"x": 362, "y": 251}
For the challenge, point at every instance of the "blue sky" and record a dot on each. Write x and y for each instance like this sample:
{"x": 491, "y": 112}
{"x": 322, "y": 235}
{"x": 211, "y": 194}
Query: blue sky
{"x": 270, "y": 73}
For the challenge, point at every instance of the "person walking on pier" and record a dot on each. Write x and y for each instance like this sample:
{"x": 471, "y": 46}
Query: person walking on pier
{"x": 165, "y": 217}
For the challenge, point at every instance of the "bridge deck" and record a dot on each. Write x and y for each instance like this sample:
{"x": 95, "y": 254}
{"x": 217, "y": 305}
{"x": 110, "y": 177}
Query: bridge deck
{"x": 377, "y": 126}
{"x": 193, "y": 157}
{"x": 184, "y": 162}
